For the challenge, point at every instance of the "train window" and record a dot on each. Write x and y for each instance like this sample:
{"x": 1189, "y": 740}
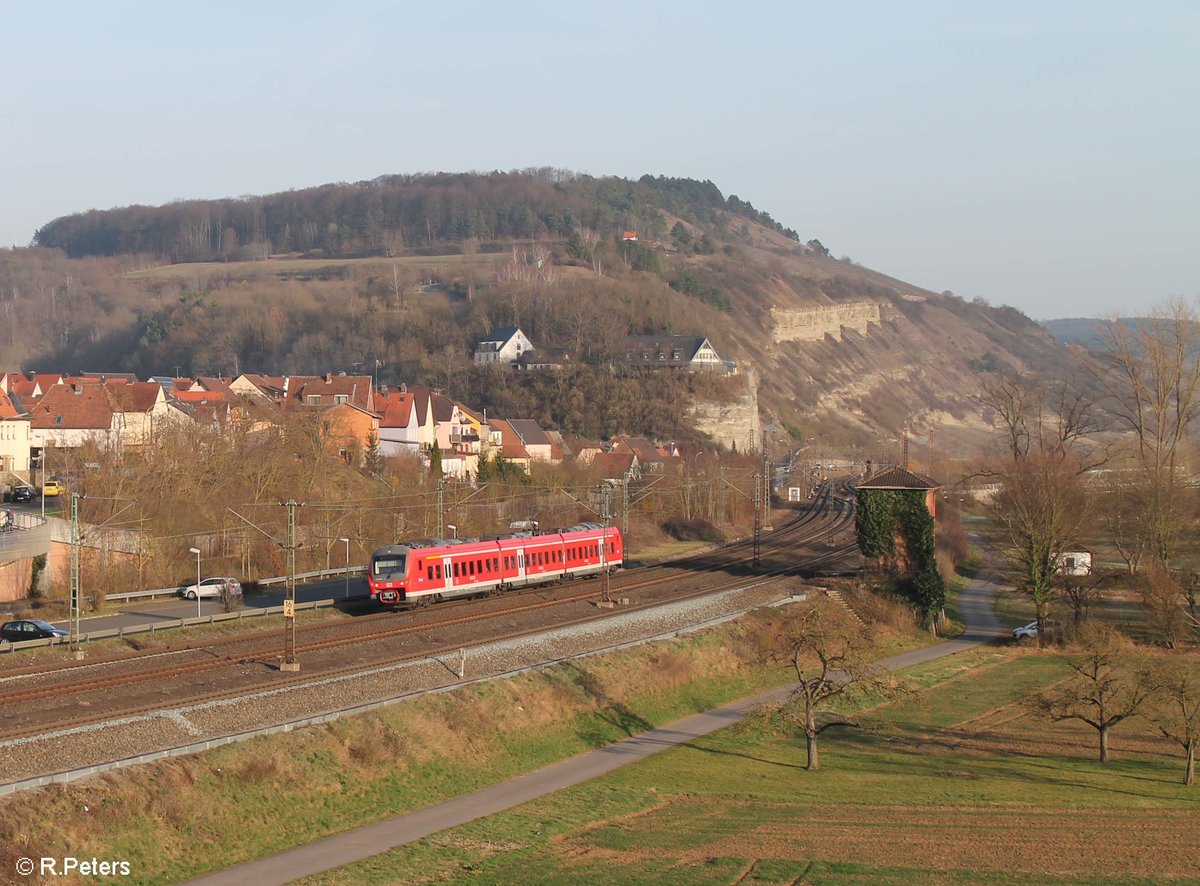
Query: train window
{"x": 430, "y": 576}
{"x": 495, "y": 564}
{"x": 456, "y": 570}
{"x": 471, "y": 567}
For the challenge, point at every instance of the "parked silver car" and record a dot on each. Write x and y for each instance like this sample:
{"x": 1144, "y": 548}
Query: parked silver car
{"x": 212, "y": 587}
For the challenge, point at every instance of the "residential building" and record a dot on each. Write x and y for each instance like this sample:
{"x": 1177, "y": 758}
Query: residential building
{"x": 502, "y": 346}
{"x": 143, "y": 409}
{"x": 505, "y": 441}
{"x": 691, "y": 352}
{"x": 399, "y": 429}
{"x": 312, "y": 391}
{"x": 351, "y": 428}
{"x": 15, "y": 438}
{"x": 68, "y": 416}
{"x": 536, "y": 442}
{"x": 269, "y": 389}
{"x": 542, "y": 359}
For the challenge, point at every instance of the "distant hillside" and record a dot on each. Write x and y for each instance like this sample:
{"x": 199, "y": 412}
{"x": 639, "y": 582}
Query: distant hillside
{"x": 410, "y": 271}
{"x": 1075, "y": 331}
{"x": 396, "y": 213}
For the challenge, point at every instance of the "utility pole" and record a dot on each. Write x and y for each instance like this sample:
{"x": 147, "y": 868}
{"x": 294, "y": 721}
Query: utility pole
{"x": 757, "y": 520}
{"x": 76, "y": 578}
{"x": 605, "y": 493}
{"x": 441, "y": 485}
{"x": 768, "y": 482}
{"x": 721, "y": 499}
{"x": 625, "y": 506}
{"x": 289, "y": 662}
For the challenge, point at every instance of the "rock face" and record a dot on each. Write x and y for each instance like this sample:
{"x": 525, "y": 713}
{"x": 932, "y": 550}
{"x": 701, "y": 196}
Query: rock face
{"x": 734, "y": 425}
{"x": 815, "y": 324}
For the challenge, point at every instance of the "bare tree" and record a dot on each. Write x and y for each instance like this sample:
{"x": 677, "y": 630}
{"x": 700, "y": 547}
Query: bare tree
{"x": 1163, "y": 600}
{"x": 1107, "y": 685}
{"x": 1152, "y": 382}
{"x": 1122, "y": 514}
{"x": 1175, "y": 709}
{"x": 830, "y": 659}
{"x": 1036, "y": 416}
{"x": 1041, "y": 509}
{"x": 1081, "y": 592}
{"x": 1154, "y": 379}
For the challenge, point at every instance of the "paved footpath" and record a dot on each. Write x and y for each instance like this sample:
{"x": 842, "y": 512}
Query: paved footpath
{"x": 975, "y": 607}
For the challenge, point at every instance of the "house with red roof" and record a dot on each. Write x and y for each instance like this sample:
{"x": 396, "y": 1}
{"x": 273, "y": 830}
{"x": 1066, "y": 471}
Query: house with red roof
{"x": 143, "y": 408}
{"x": 316, "y": 391}
{"x": 69, "y": 416}
{"x": 399, "y": 430}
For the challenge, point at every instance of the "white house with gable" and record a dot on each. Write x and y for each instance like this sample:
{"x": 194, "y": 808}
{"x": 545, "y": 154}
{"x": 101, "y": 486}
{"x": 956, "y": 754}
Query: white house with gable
{"x": 502, "y": 346}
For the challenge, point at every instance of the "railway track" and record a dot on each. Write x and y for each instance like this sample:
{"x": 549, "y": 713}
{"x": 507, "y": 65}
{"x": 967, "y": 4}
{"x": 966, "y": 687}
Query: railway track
{"x": 634, "y": 580}
{"x": 827, "y": 517}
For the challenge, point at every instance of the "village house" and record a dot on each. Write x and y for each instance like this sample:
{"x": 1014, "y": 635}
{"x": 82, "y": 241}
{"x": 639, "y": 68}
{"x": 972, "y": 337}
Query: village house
{"x": 542, "y": 359}
{"x": 70, "y": 416}
{"x": 351, "y": 429}
{"x": 536, "y": 442}
{"x": 616, "y": 467}
{"x": 15, "y": 438}
{"x": 314, "y": 391}
{"x": 144, "y": 410}
{"x": 651, "y": 458}
{"x": 505, "y": 441}
{"x": 399, "y": 430}
{"x": 268, "y": 389}
{"x": 690, "y": 352}
{"x": 502, "y": 346}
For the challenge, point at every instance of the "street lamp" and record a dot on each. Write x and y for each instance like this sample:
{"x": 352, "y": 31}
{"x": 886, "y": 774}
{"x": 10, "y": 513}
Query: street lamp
{"x": 196, "y": 551}
{"x": 347, "y": 541}
{"x": 453, "y": 530}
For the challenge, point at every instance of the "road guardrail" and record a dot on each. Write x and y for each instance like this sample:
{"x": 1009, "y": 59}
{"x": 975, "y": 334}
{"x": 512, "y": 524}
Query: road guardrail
{"x": 165, "y": 624}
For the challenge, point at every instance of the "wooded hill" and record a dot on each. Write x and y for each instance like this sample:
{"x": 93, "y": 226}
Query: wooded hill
{"x": 395, "y": 213}
{"x": 411, "y": 270}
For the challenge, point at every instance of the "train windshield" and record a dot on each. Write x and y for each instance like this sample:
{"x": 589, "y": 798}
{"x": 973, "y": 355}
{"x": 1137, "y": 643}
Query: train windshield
{"x": 385, "y": 567}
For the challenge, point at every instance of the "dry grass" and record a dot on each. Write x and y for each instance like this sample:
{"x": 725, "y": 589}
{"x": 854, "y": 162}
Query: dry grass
{"x": 175, "y": 818}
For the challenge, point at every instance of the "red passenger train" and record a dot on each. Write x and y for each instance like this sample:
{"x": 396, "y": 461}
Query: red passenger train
{"x": 438, "y": 568}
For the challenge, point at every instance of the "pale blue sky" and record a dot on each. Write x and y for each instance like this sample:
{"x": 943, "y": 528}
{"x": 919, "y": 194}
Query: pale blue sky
{"x": 1042, "y": 155}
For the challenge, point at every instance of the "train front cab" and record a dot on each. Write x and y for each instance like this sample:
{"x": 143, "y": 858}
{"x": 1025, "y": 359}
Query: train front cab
{"x": 386, "y": 577}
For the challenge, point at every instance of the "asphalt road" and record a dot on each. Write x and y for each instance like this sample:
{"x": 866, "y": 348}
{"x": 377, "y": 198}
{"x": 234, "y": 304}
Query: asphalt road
{"x": 975, "y": 607}
{"x": 142, "y": 612}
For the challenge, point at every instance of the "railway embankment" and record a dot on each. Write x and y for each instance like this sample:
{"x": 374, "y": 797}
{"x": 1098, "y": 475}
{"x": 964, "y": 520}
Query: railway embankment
{"x": 183, "y": 816}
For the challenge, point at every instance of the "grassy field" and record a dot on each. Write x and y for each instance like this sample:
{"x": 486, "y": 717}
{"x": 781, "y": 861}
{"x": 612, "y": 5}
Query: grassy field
{"x": 955, "y": 784}
{"x": 178, "y": 818}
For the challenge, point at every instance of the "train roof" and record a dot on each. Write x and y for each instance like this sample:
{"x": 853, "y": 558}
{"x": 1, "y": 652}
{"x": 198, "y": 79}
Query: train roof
{"x": 417, "y": 544}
